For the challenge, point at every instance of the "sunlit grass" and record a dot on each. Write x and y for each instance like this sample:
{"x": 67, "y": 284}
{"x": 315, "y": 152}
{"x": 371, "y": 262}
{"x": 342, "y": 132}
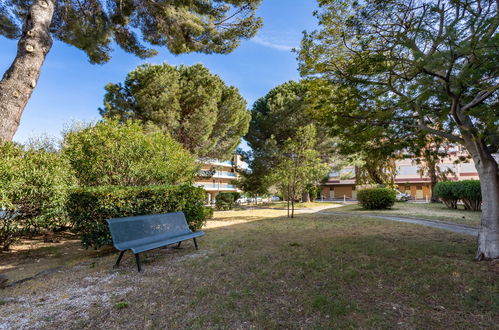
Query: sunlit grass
{"x": 314, "y": 271}
{"x": 430, "y": 211}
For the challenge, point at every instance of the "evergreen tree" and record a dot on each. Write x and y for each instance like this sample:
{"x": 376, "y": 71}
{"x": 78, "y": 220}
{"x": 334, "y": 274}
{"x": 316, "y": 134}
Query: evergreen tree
{"x": 208, "y": 26}
{"x": 194, "y": 106}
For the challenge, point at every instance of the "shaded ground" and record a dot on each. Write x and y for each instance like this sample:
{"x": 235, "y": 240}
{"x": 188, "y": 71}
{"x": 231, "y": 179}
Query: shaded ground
{"x": 30, "y": 257}
{"x": 258, "y": 269}
{"x": 429, "y": 211}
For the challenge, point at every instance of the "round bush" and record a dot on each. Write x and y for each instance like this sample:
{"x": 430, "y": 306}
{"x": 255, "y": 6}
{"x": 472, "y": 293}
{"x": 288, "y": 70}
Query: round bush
{"x": 448, "y": 191}
{"x": 469, "y": 192}
{"x": 226, "y": 200}
{"x": 376, "y": 198}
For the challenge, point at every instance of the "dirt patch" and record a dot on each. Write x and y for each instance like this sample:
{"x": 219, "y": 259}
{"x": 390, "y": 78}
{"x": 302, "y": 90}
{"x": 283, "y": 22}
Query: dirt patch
{"x": 32, "y": 256}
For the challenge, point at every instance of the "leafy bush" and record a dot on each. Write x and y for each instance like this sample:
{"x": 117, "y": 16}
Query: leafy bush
{"x": 376, "y": 198}
{"x": 110, "y": 153}
{"x": 208, "y": 213}
{"x": 470, "y": 194}
{"x": 226, "y": 200}
{"x": 88, "y": 208}
{"x": 447, "y": 191}
{"x": 33, "y": 190}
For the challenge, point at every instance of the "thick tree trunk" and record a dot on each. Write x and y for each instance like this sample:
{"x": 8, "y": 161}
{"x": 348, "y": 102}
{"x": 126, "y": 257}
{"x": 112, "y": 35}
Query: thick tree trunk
{"x": 432, "y": 171}
{"x": 21, "y": 78}
{"x": 488, "y": 235}
{"x": 488, "y": 172}
{"x": 306, "y": 197}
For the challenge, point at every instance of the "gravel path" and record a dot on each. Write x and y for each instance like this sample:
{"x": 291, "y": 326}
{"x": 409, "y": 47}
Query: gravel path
{"x": 441, "y": 225}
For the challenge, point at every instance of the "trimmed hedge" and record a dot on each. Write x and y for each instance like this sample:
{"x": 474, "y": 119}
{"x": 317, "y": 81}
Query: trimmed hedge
{"x": 470, "y": 194}
{"x": 88, "y": 208}
{"x": 226, "y": 200}
{"x": 376, "y": 198}
{"x": 447, "y": 192}
{"x": 468, "y": 191}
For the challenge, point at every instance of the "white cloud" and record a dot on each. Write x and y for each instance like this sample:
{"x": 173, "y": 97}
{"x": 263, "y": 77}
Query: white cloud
{"x": 272, "y": 44}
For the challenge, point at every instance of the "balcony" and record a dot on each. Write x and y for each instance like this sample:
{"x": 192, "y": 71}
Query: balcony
{"x": 216, "y": 174}
{"x": 220, "y": 163}
{"x": 216, "y": 187}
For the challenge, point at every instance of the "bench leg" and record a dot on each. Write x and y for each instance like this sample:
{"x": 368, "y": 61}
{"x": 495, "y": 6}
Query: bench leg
{"x": 178, "y": 245}
{"x": 195, "y": 243}
{"x": 119, "y": 259}
{"x": 137, "y": 260}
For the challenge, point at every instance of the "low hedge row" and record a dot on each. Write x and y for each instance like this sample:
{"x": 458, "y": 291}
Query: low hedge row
{"x": 376, "y": 198}
{"x": 88, "y": 208}
{"x": 468, "y": 191}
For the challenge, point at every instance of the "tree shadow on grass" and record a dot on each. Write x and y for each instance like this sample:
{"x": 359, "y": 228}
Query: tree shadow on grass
{"x": 315, "y": 270}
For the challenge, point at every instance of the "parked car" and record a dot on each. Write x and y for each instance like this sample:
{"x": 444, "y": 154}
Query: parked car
{"x": 402, "y": 196}
{"x": 242, "y": 200}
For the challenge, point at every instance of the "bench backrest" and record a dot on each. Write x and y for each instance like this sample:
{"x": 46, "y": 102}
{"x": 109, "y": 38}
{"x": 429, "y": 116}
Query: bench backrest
{"x": 140, "y": 229}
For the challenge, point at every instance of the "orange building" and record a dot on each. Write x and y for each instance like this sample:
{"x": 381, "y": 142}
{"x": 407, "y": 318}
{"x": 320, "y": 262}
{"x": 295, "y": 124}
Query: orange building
{"x": 217, "y": 176}
{"x": 341, "y": 185}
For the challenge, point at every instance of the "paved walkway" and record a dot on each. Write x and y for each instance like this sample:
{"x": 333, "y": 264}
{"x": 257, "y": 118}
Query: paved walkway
{"x": 423, "y": 222}
{"x": 428, "y": 223}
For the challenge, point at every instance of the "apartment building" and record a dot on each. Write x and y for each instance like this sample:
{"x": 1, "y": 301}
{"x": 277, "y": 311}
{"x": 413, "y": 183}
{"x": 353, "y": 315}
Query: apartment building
{"x": 341, "y": 184}
{"x": 217, "y": 176}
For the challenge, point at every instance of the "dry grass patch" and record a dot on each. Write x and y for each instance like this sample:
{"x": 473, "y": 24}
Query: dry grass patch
{"x": 314, "y": 271}
{"x": 283, "y": 205}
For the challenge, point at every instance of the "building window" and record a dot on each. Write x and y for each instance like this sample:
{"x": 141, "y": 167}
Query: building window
{"x": 408, "y": 170}
{"x": 419, "y": 187}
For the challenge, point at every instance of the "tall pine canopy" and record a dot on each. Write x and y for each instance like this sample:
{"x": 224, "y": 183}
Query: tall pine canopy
{"x": 194, "y": 106}
{"x": 96, "y": 26}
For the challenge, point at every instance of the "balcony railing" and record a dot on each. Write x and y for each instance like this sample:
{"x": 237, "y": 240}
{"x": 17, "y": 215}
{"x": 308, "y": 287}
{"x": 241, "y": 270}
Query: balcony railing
{"x": 216, "y": 186}
{"x": 218, "y": 162}
{"x": 224, "y": 173}
{"x": 215, "y": 174}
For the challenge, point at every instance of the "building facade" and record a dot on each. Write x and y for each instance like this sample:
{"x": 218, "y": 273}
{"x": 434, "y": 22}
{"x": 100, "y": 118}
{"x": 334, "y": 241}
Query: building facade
{"x": 341, "y": 184}
{"x": 217, "y": 176}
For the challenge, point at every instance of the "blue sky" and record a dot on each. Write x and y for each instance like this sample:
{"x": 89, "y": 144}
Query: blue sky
{"x": 71, "y": 89}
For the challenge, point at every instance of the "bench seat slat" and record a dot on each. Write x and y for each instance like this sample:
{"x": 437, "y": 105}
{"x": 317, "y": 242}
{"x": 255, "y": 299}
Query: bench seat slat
{"x": 164, "y": 242}
{"x": 147, "y": 232}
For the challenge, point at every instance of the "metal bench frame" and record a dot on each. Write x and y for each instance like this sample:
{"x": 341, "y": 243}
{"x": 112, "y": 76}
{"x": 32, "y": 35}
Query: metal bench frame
{"x": 148, "y": 232}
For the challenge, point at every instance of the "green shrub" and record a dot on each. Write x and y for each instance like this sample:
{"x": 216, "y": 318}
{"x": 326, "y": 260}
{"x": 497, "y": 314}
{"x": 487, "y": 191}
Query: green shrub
{"x": 33, "y": 189}
{"x": 88, "y": 208}
{"x": 468, "y": 191}
{"x": 208, "y": 213}
{"x": 226, "y": 200}
{"x": 110, "y": 153}
{"x": 447, "y": 191}
{"x": 376, "y": 198}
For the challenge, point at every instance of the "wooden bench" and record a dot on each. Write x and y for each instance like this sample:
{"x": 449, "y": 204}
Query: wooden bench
{"x": 147, "y": 232}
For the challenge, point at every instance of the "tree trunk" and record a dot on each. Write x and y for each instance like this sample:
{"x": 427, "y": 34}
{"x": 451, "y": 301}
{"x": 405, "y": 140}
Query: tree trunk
{"x": 289, "y": 193}
{"x": 432, "y": 171}
{"x": 306, "y": 197}
{"x": 488, "y": 235}
{"x": 21, "y": 78}
{"x": 488, "y": 172}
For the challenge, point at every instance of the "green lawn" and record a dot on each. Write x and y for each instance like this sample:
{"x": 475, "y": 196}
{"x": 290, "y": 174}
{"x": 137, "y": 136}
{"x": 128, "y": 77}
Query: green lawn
{"x": 430, "y": 211}
{"x": 258, "y": 269}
